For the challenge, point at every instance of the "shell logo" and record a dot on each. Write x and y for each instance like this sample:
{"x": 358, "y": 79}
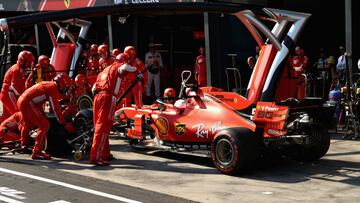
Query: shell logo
{"x": 67, "y": 3}
{"x": 162, "y": 125}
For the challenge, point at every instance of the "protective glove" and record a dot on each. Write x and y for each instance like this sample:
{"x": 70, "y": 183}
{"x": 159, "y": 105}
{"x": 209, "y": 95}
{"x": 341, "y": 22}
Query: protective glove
{"x": 68, "y": 118}
{"x": 140, "y": 76}
{"x": 70, "y": 128}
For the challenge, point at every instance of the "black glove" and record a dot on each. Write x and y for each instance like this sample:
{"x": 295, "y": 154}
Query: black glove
{"x": 140, "y": 76}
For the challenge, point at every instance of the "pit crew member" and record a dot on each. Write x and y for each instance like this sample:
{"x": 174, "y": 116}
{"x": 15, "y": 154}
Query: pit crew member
{"x": 31, "y": 104}
{"x": 14, "y": 83}
{"x": 106, "y": 89}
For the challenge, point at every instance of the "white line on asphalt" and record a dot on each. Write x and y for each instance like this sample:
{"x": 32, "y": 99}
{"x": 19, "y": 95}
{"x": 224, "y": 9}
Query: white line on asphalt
{"x": 55, "y": 182}
{"x": 8, "y": 200}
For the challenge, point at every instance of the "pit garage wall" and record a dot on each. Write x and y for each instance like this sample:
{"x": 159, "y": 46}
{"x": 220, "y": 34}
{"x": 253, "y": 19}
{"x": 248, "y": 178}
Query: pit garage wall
{"x": 326, "y": 28}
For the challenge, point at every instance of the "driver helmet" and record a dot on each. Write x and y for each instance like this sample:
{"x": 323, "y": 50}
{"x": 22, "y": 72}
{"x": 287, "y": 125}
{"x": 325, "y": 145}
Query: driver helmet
{"x": 181, "y": 104}
{"x": 169, "y": 93}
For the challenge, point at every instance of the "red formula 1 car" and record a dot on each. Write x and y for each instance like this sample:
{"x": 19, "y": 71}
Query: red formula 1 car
{"x": 238, "y": 130}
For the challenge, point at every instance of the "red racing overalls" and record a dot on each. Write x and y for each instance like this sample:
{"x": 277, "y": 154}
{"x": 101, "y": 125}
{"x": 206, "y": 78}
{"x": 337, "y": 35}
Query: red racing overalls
{"x": 200, "y": 71}
{"x": 13, "y": 86}
{"x": 31, "y": 104}
{"x": 106, "y": 89}
{"x": 138, "y": 89}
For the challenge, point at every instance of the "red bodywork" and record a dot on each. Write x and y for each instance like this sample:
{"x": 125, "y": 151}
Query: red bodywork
{"x": 62, "y": 56}
{"x": 202, "y": 118}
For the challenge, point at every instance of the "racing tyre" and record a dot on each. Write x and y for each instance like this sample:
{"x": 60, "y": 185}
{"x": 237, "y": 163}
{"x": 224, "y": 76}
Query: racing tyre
{"x": 85, "y": 101}
{"x": 56, "y": 143}
{"x": 319, "y": 143}
{"x": 235, "y": 150}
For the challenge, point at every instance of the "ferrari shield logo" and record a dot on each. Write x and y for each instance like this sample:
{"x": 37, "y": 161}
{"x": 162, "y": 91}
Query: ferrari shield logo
{"x": 162, "y": 125}
{"x": 67, "y": 3}
{"x": 180, "y": 129}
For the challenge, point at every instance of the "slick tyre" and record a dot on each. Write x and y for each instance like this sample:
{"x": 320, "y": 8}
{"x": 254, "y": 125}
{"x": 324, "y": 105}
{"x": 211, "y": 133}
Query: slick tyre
{"x": 85, "y": 101}
{"x": 319, "y": 143}
{"x": 234, "y": 151}
{"x": 56, "y": 144}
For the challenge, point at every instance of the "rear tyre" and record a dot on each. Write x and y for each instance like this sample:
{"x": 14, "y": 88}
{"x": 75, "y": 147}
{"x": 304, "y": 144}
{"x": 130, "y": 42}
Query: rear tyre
{"x": 319, "y": 143}
{"x": 235, "y": 151}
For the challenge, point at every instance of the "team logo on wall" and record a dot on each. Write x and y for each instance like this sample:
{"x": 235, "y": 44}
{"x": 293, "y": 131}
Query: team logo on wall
{"x": 162, "y": 125}
{"x": 67, "y": 3}
{"x": 180, "y": 129}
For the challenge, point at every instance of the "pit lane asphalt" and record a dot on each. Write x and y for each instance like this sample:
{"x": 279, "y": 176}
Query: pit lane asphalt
{"x": 334, "y": 178}
{"x": 24, "y": 182}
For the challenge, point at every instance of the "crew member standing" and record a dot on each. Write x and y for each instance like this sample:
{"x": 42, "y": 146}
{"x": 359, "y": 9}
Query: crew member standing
{"x": 43, "y": 71}
{"x": 341, "y": 66}
{"x": 200, "y": 68}
{"x": 154, "y": 64}
{"x": 14, "y": 83}
{"x": 138, "y": 89}
{"x": 106, "y": 89}
{"x": 104, "y": 59}
{"x": 31, "y": 104}
{"x": 299, "y": 64}
{"x": 115, "y": 52}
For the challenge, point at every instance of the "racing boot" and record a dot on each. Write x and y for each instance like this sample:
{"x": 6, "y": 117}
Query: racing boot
{"x": 41, "y": 156}
{"x": 25, "y": 149}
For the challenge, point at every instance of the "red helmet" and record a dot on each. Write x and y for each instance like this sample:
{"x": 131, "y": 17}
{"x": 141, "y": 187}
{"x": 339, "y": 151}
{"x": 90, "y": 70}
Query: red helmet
{"x": 64, "y": 83}
{"x": 26, "y": 58}
{"x": 115, "y": 52}
{"x": 80, "y": 80}
{"x": 43, "y": 61}
{"x": 122, "y": 58}
{"x": 130, "y": 52}
{"x": 93, "y": 63}
{"x": 103, "y": 50}
{"x": 93, "y": 49}
{"x": 169, "y": 93}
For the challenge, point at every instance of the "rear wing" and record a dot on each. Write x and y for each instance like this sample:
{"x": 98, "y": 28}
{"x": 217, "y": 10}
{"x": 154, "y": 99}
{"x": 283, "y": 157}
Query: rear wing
{"x": 274, "y": 51}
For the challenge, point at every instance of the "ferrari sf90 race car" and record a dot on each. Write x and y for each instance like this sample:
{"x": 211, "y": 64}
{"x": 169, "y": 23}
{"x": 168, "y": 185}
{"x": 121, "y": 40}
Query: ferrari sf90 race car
{"x": 203, "y": 120}
{"x": 237, "y": 130}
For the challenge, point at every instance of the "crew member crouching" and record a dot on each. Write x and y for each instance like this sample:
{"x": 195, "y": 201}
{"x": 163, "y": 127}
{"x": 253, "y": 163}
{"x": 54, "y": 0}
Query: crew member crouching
{"x": 31, "y": 104}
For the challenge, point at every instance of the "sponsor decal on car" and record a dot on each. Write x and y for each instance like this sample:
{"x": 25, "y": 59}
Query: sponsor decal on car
{"x": 162, "y": 125}
{"x": 67, "y": 3}
{"x": 180, "y": 129}
{"x": 203, "y": 132}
